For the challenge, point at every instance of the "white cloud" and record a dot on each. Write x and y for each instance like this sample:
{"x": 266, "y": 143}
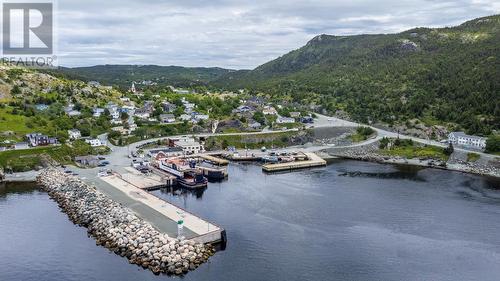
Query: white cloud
{"x": 233, "y": 34}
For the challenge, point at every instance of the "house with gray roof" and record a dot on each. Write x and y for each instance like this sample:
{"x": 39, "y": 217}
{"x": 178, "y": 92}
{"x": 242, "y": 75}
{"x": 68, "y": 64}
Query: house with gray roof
{"x": 461, "y": 138}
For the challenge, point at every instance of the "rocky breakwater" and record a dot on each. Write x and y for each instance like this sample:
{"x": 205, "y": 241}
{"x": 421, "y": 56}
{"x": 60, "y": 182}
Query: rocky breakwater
{"x": 119, "y": 229}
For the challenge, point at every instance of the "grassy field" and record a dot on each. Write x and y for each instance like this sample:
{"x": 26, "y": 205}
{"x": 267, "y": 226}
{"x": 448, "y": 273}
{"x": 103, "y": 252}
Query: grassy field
{"x": 256, "y": 141}
{"x": 414, "y": 151}
{"x": 362, "y": 134}
{"x": 473, "y": 157}
{"x": 23, "y": 160}
{"x": 14, "y": 123}
{"x": 28, "y": 159}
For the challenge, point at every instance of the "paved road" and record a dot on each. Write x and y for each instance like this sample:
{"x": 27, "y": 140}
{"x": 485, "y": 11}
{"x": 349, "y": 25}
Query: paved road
{"x": 326, "y": 121}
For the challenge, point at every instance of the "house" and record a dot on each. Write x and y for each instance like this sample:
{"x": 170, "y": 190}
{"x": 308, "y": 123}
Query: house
{"x": 295, "y": 114}
{"x": 179, "y": 91}
{"x": 87, "y": 161}
{"x": 307, "y": 120}
{"x": 197, "y": 117}
{"x": 142, "y": 113}
{"x": 189, "y": 107}
{"x": 269, "y": 110}
{"x": 255, "y": 125}
{"x": 74, "y": 134}
{"x": 189, "y": 145}
{"x": 167, "y": 118}
{"x": 460, "y": 138}
{"x": 94, "y": 84}
{"x": 70, "y": 111}
{"x": 243, "y": 108}
{"x": 129, "y": 109}
{"x": 94, "y": 142}
{"x": 285, "y": 120}
{"x": 121, "y": 130}
{"x": 37, "y": 139}
{"x": 168, "y": 107}
{"x": 185, "y": 117}
{"x": 97, "y": 112}
{"x": 21, "y": 145}
{"x": 116, "y": 122}
{"x": 165, "y": 152}
{"x": 41, "y": 107}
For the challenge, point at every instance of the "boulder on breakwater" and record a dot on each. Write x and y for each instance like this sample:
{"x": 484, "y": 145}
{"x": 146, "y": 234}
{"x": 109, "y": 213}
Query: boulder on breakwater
{"x": 119, "y": 229}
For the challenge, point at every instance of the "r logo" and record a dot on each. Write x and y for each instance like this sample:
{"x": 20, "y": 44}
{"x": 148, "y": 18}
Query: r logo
{"x": 27, "y": 28}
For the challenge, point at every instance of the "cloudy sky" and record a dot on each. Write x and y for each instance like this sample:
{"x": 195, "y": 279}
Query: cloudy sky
{"x": 233, "y": 34}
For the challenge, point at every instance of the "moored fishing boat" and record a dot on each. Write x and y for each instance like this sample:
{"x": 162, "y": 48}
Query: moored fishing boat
{"x": 185, "y": 171}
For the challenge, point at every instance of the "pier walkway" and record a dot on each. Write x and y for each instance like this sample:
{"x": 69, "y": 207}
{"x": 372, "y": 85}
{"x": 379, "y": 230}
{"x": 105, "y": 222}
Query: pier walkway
{"x": 168, "y": 214}
{"x": 313, "y": 160}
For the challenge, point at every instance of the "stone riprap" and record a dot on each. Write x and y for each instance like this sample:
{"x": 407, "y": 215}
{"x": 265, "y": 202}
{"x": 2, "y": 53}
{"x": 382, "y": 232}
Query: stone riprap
{"x": 119, "y": 229}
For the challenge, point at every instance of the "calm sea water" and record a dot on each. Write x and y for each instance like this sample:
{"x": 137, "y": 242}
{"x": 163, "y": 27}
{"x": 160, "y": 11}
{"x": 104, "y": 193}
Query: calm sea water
{"x": 348, "y": 221}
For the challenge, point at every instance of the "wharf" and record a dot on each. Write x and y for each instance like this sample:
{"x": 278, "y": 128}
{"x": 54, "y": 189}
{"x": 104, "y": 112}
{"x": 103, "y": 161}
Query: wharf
{"x": 167, "y": 214}
{"x": 149, "y": 181}
{"x": 29, "y": 176}
{"x": 214, "y": 160}
{"x": 313, "y": 160}
{"x": 243, "y": 158}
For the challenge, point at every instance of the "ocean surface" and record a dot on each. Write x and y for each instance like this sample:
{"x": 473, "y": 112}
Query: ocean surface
{"x": 348, "y": 221}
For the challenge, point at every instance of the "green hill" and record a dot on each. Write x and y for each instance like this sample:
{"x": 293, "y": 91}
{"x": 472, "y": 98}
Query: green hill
{"x": 124, "y": 75}
{"x": 441, "y": 75}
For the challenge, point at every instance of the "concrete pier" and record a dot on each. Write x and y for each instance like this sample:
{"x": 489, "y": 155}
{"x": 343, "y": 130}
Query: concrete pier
{"x": 313, "y": 160}
{"x": 195, "y": 228}
{"x": 149, "y": 181}
{"x": 215, "y": 160}
{"x": 29, "y": 176}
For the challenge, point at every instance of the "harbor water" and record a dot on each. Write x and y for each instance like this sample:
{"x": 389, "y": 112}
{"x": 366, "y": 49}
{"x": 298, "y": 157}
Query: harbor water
{"x": 347, "y": 221}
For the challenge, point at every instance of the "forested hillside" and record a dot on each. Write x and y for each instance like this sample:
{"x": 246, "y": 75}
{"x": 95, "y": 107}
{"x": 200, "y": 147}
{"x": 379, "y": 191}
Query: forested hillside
{"x": 441, "y": 75}
{"x": 124, "y": 75}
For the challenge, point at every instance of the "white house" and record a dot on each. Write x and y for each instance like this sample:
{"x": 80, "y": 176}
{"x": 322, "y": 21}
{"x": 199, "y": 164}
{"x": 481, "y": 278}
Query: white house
{"x": 185, "y": 117}
{"x": 94, "y": 142}
{"x": 167, "y": 118}
{"x": 74, "y": 134}
{"x": 198, "y": 117}
{"x": 460, "y": 138}
{"x": 21, "y": 145}
{"x": 97, "y": 111}
{"x": 285, "y": 120}
{"x": 189, "y": 107}
{"x": 269, "y": 110}
{"x": 189, "y": 146}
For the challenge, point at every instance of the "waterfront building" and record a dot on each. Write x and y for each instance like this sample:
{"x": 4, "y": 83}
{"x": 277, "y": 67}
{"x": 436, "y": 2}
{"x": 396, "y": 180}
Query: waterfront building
{"x": 460, "y": 138}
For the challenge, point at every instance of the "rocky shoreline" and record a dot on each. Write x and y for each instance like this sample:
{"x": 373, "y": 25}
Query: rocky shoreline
{"x": 368, "y": 153}
{"x": 119, "y": 229}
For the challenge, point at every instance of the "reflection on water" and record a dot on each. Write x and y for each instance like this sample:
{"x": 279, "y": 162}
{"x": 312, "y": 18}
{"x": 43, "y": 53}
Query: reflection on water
{"x": 16, "y": 188}
{"x": 378, "y": 222}
{"x": 396, "y": 172}
{"x": 183, "y": 192}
